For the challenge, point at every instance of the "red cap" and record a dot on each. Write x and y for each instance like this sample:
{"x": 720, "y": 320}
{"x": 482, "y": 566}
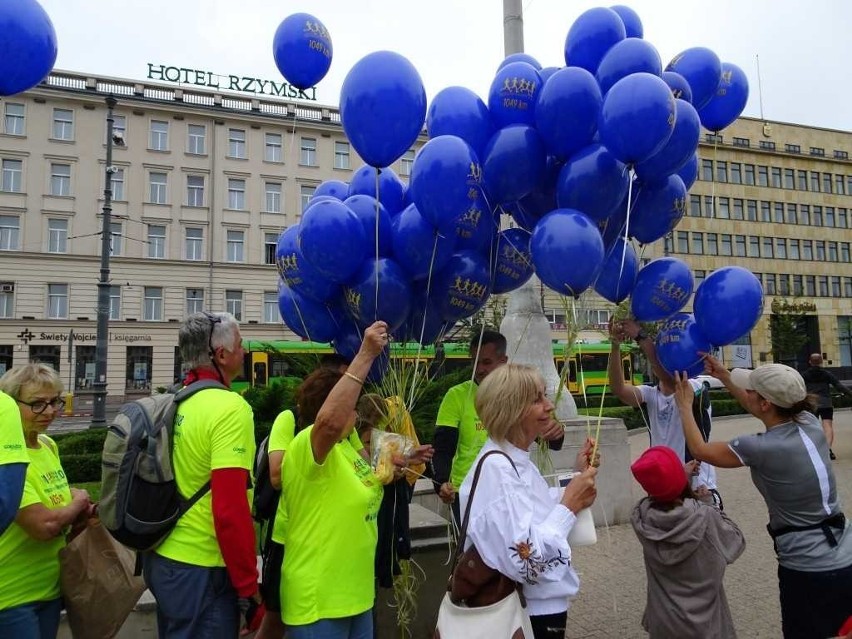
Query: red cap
{"x": 660, "y": 472}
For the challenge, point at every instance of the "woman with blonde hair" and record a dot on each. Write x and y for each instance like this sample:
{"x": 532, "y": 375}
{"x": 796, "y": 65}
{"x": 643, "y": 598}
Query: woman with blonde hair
{"x": 29, "y": 549}
{"x": 518, "y": 524}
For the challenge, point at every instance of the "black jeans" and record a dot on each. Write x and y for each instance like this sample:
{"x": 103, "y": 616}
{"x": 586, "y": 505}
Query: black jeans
{"x": 814, "y": 604}
{"x": 549, "y": 626}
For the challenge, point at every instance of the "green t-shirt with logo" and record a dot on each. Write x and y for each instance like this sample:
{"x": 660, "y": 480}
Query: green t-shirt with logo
{"x": 214, "y": 429}
{"x": 331, "y": 533}
{"x": 13, "y": 448}
{"x": 458, "y": 411}
{"x": 29, "y": 568}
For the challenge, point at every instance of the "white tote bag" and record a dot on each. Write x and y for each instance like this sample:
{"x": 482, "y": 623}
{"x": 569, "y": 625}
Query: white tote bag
{"x": 506, "y": 619}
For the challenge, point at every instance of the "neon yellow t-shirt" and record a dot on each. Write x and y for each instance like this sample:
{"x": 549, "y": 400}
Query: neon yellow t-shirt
{"x": 458, "y": 411}
{"x": 213, "y": 429}
{"x": 280, "y": 435}
{"x": 29, "y": 568}
{"x": 331, "y": 534}
{"x": 13, "y": 448}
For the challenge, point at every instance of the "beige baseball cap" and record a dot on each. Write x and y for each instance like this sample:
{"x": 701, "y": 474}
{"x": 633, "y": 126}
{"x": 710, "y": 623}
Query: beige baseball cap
{"x": 777, "y": 383}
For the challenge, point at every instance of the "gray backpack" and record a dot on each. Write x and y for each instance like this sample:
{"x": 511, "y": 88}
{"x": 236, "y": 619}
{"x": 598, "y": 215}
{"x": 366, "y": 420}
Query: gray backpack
{"x": 140, "y": 502}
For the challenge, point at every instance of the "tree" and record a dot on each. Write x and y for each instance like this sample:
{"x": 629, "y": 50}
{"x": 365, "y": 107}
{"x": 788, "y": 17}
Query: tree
{"x": 787, "y": 335}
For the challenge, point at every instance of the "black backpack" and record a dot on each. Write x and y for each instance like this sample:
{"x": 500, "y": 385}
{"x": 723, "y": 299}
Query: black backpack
{"x": 140, "y": 503}
{"x": 266, "y": 496}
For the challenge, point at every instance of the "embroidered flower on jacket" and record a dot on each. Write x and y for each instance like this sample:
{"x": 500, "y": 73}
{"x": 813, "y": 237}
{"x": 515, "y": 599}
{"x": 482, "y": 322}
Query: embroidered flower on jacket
{"x": 532, "y": 563}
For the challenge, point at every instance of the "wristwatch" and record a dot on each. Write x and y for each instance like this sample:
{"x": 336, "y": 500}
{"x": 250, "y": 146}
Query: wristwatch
{"x": 641, "y": 335}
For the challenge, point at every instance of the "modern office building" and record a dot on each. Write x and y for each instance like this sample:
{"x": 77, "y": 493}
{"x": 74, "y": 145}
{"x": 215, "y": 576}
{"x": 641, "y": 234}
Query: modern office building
{"x": 207, "y": 178}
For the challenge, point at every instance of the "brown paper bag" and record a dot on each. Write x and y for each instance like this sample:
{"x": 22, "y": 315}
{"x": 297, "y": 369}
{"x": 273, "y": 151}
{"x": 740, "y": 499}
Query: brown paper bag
{"x": 96, "y": 575}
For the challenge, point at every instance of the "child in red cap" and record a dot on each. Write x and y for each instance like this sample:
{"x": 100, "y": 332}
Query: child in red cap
{"x": 687, "y": 544}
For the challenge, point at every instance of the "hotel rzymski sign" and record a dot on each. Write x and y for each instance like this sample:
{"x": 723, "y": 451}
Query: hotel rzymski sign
{"x": 240, "y": 83}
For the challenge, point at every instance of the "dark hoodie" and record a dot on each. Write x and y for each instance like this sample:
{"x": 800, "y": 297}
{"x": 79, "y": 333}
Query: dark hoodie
{"x": 686, "y": 552}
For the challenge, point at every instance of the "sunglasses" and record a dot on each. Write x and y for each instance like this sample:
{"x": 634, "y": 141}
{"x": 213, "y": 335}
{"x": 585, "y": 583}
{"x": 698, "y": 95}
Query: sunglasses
{"x": 213, "y": 319}
{"x": 39, "y": 406}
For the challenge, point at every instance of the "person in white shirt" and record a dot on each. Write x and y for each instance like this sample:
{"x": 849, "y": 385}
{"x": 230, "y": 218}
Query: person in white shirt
{"x": 517, "y": 522}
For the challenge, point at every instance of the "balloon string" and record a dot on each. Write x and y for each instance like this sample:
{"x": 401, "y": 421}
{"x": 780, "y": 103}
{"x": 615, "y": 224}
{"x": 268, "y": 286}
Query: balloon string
{"x": 376, "y": 263}
{"x": 626, "y": 226}
{"x": 292, "y": 134}
{"x": 580, "y": 374}
{"x": 713, "y": 177}
{"x": 423, "y": 319}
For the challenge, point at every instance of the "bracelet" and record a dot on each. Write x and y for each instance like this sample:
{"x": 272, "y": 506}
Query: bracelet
{"x": 354, "y": 377}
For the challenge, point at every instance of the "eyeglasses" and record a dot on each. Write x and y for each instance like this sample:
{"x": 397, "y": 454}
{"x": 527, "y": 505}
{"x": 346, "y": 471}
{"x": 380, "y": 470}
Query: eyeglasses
{"x": 213, "y": 319}
{"x": 39, "y": 406}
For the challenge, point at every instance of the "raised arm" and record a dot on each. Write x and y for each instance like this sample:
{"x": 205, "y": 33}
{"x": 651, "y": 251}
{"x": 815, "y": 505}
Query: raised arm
{"x": 627, "y": 393}
{"x": 716, "y": 453}
{"x": 633, "y": 330}
{"x": 713, "y": 366}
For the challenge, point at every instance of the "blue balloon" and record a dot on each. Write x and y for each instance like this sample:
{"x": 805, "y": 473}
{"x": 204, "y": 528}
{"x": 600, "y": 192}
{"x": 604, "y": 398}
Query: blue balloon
{"x": 637, "y": 117}
{"x": 297, "y": 272}
{"x": 305, "y": 317}
{"x": 659, "y": 206}
{"x": 567, "y": 112}
{"x": 380, "y": 291}
{"x": 524, "y": 218}
{"x": 679, "y": 343}
{"x": 728, "y": 304}
{"x": 546, "y": 73}
{"x": 728, "y": 102}
{"x": 663, "y": 287}
{"x": 418, "y": 246}
{"x": 631, "y": 55}
{"x": 513, "y": 94}
{"x": 592, "y": 181}
{"x": 332, "y": 188}
{"x": 678, "y": 84}
{"x": 475, "y": 228}
{"x": 591, "y": 36}
{"x": 424, "y": 323}
{"x": 520, "y": 57}
{"x": 302, "y": 50}
{"x": 702, "y": 69}
{"x": 680, "y": 148}
{"x": 632, "y": 23}
{"x": 514, "y": 164}
{"x": 617, "y": 276}
{"x": 459, "y": 111}
{"x": 567, "y": 251}
{"x": 367, "y": 208}
{"x": 332, "y": 239}
{"x": 689, "y": 171}
{"x": 382, "y": 107}
{"x": 28, "y": 46}
{"x": 347, "y": 342}
{"x": 391, "y": 188}
{"x": 513, "y": 264}
{"x": 462, "y": 286}
{"x": 445, "y": 179}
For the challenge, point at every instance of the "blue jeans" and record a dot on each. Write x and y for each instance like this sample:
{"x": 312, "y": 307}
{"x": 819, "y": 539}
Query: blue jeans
{"x": 357, "y": 627}
{"x": 192, "y": 601}
{"x": 36, "y": 620}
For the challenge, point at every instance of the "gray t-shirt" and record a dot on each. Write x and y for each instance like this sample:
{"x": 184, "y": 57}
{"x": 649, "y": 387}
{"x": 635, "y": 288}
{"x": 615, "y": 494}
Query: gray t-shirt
{"x": 789, "y": 466}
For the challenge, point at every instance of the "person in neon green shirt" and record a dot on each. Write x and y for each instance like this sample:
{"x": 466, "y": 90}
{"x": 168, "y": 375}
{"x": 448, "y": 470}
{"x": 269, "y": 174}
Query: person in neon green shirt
{"x": 331, "y": 498}
{"x": 13, "y": 460}
{"x": 29, "y": 549}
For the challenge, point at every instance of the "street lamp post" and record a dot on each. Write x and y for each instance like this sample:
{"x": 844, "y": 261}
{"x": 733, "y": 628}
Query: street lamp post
{"x": 100, "y": 383}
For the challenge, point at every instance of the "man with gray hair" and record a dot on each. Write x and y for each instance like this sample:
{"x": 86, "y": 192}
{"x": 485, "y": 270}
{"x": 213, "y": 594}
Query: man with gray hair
{"x": 819, "y": 382}
{"x": 204, "y": 574}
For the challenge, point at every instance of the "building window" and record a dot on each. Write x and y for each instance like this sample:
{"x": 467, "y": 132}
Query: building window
{"x": 829, "y": 217}
{"x": 117, "y": 184}
{"x": 308, "y": 152}
{"x": 780, "y": 248}
{"x": 306, "y": 192}
{"x": 738, "y": 213}
{"x": 724, "y": 210}
{"x": 792, "y": 148}
{"x": 158, "y": 139}
{"x": 115, "y": 302}
{"x": 274, "y": 143}
{"x": 810, "y": 285}
{"x": 765, "y": 211}
{"x": 753, "y": 246}
{"x": 802, "y": 180}
{"x": 769, "y": 283}
{"x": 832, "y": 251}
{"x": 713, "y": 138}
{"x": 712, "y": 244}
{"x": 153, "y": 306}
{"x": 827, "y": 183}
{"x": 194, "y": 244}
{"x": 341, "y": 155}
{"x": 406, "y": 162}
{"x": 766, "y": 145}
{"x": 60, "y": 179}
{"x": 751, "y": 210}
{"x": 14, "y": 121}
{"x": 7, "y": 301}
{"x": 194, "y": 300}
{"x": 816, "y": 219}
{"x": 794, "y": 250}
{"x": 709, "y": 206}
{"x": 805, "y": 214}
{"x": 270, "y": 307}
{"x": 119, "y": 127}
{"x": 778, "y": 210}
{"x": 697, "y": 243}
{"x": 12, "y": 175}
{"x": 84, "y": 377}
{"x": 699, "y": 276}
{"x": 763, "y": 176}
{"x": 57, "y": 236}
{"x": 236, "y": 194}
{"x": 844, "y": 252}
{"x": 740, "y": 245}
{"x": 815, "y": 181}
{"x": 695, "y": 206}
{"x": 236, "y": 241}
{"x": 196, "y": 139}
{"x": 742, "y": 142}
{"x": 736, "y": 173}
{"x": 842, "y": 219}
{"x": 234, "y": 304}
{"x": 817, "y": 151}
{"x": 237, "y": 143}
{"x": 721, "y": 171}
{"x": 270, "y": 245}
{"x": 273, "y": 197}
{"x": 115, "y": 239}
{"x": 156, "y": 241}
{"x": 789, "y": 179}
{"x": 784, "y": 284}
{"x": 195, "y": 190}
{"x": 682, "y": 242}
{"x": 158, "y": 183}
{"x": 57, "y": 301}
{"x": 727, "y": 248}
{"x": 841, "y": 155}
{"x": 775, "y": 172}
{"x": 63, "y": 124}
{"x": 807, "y": 250}
{"x": 798, "y": 286}
{"x": 749, "y": 174}
{"x": 819, "y": 245}
{"x": 767, "y": 247}
{"x": 10, "y": 232}
{"x": 822, "y": 283}
{"x": 847, "y": 292}
{"x": 792, "y": 218}
{"x": 139, "y": 364}
{"x": 840, "y": 185}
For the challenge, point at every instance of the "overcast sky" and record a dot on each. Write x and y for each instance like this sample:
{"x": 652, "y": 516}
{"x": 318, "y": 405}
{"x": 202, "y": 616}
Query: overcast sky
{"x": 804, "y": 47}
